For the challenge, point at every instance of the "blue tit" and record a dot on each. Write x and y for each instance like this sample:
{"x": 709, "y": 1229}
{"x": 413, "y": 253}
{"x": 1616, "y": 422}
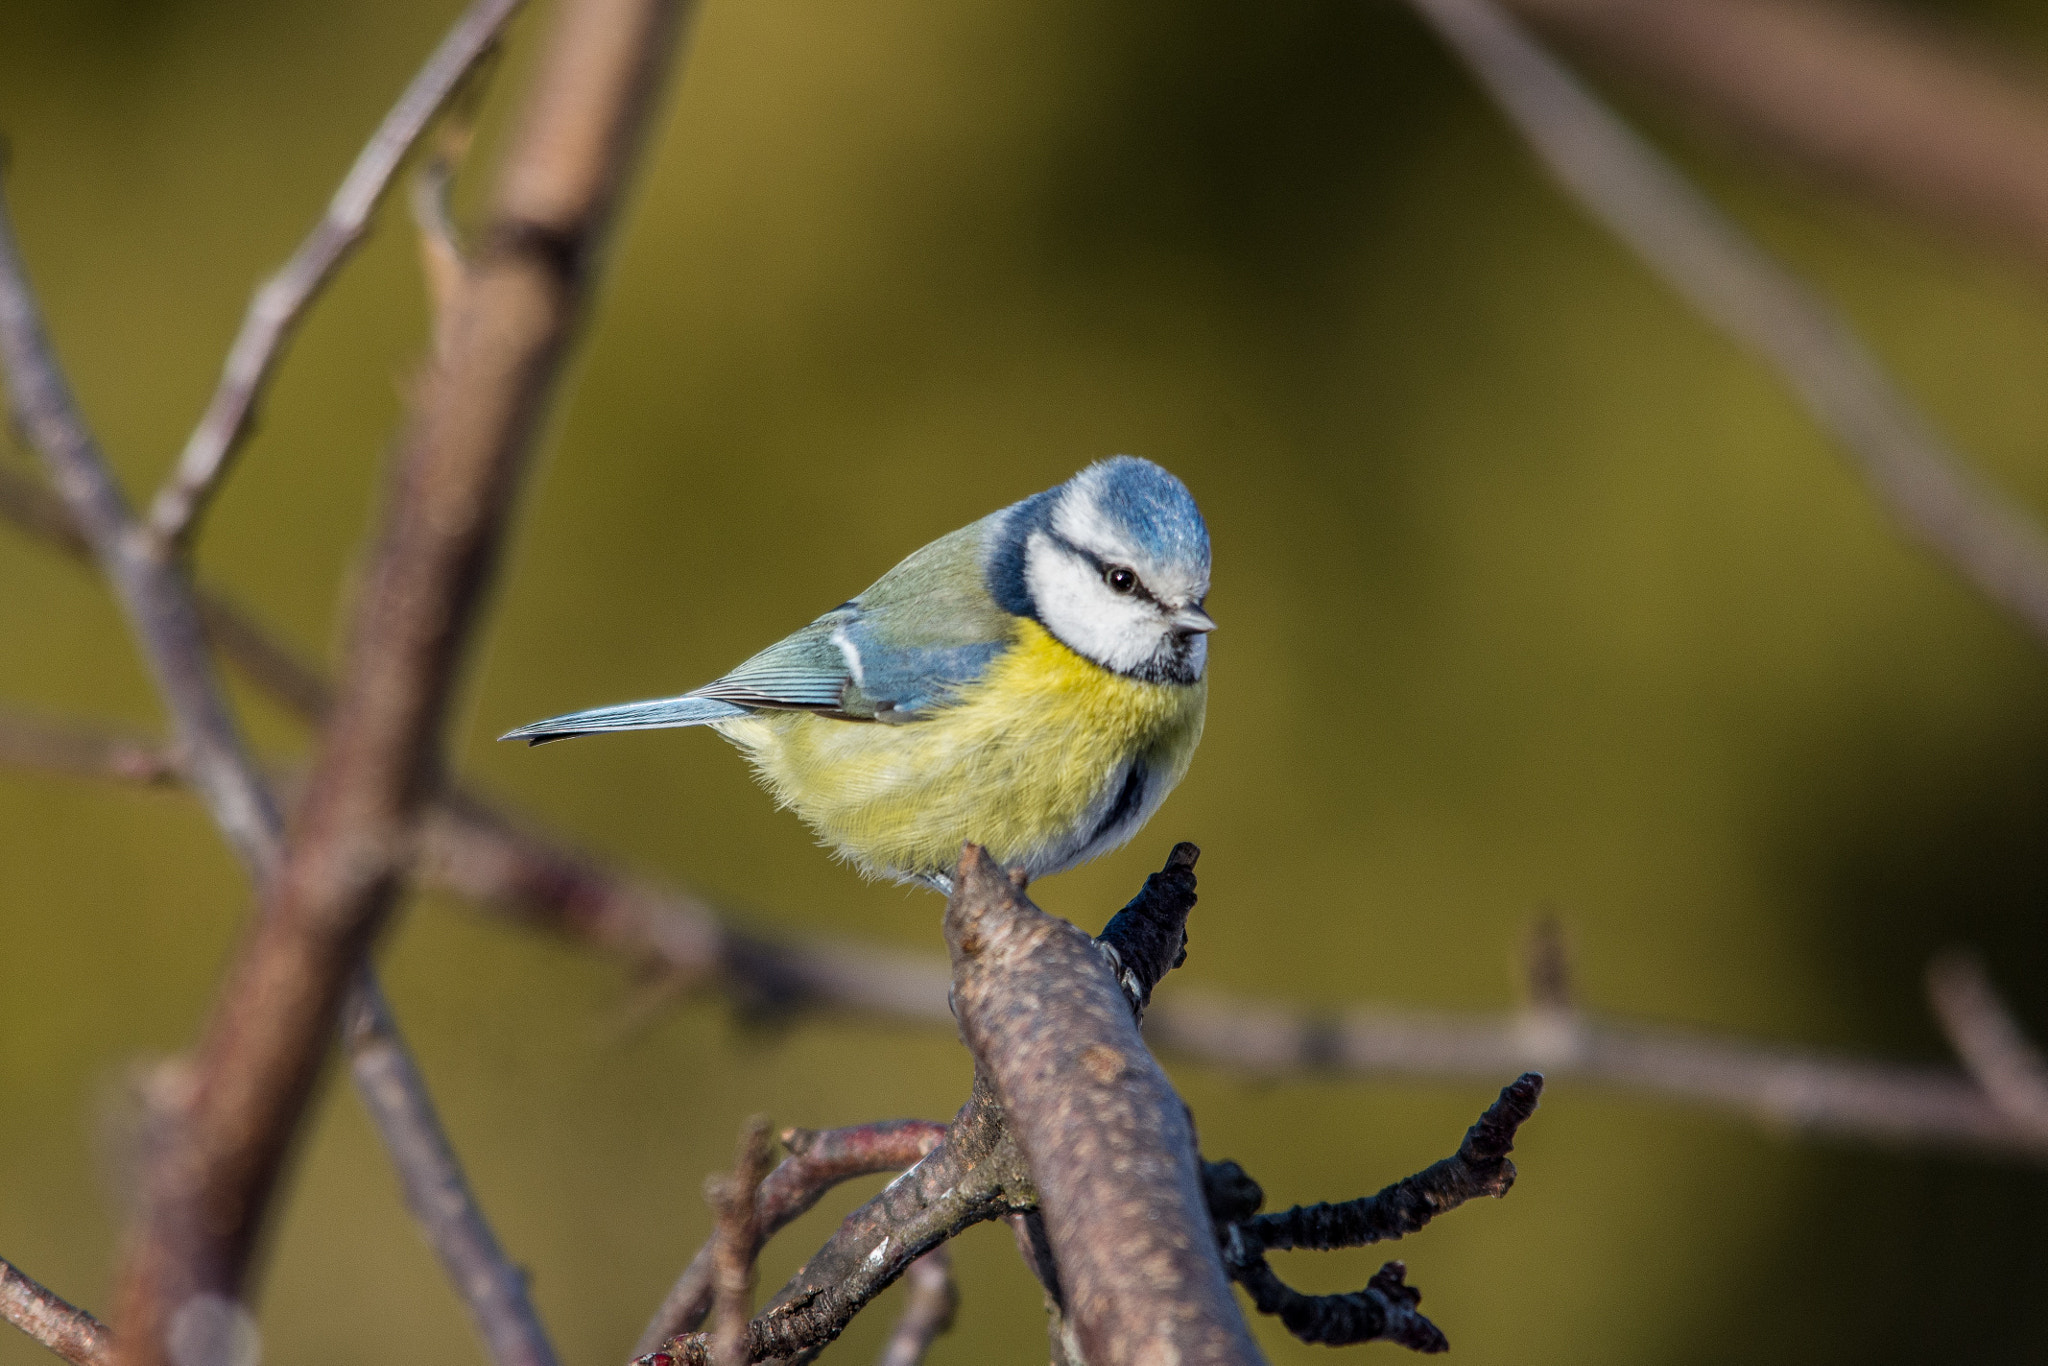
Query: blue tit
{"x": 1033, "y": 683}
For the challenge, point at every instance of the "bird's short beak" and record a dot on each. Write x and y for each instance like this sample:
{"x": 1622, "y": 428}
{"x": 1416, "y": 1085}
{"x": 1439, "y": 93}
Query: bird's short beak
{"x": 1193, "y": 621}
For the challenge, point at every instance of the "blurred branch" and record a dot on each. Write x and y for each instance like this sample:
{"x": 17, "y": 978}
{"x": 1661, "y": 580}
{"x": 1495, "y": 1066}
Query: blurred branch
{"x": 817, "y": 1161}
{"x": 476, "y": 418}
{"x": 1989, "y": 1040}
{"x": 492, "y": 1288}
{"x": 165, "y": 616}
{"x": 735, "y": 1241}
{"x": 152, "y": 590}
{"x": 278, "y": 306}
{"x": 68, "y": 1331}
{"x": 40, "y": 514}
{"x": 83, "y": 751}
{"x": 1625, "y": 184}
{"x": 929, "y": 1304}
{"x": 159, "y": 587}
{"x": 523, "y": 876}
{"x": 1861, "y": 91}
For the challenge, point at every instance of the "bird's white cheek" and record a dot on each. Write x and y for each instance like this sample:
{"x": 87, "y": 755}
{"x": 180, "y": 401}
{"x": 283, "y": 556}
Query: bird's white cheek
{"x": 1076, "y": 606}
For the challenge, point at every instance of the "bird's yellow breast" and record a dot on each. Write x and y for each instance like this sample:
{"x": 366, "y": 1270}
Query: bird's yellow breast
{"x": 1024, "y": 761}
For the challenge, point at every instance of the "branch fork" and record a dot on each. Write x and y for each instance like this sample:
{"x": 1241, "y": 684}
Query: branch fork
{"x": 1074, "y": 1135}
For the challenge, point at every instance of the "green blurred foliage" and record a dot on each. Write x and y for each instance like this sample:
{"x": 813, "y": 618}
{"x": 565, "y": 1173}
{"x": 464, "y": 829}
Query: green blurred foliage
{"x": 1534, "y": 594}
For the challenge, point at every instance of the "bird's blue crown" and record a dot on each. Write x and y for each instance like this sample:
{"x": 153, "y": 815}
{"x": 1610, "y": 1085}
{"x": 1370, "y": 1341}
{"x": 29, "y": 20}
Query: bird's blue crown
{"x": 1150, "y": 506}
{"x": 1144, "y": 504}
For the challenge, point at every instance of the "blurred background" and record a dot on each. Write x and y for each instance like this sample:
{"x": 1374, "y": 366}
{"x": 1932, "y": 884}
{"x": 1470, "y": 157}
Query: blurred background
{"x": 1535, "y": 596}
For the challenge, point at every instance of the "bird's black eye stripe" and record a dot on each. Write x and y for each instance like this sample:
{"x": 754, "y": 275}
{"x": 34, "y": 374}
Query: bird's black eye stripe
{"x": 1120, "y": 578}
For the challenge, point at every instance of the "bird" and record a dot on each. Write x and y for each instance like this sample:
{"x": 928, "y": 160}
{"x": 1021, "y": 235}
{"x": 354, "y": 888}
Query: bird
{"x": 1034, "y": 683}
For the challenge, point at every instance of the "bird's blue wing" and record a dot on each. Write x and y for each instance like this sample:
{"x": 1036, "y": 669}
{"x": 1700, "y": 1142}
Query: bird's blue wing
{"x": 903, "y": 647}
{"x": 910, "y": 641}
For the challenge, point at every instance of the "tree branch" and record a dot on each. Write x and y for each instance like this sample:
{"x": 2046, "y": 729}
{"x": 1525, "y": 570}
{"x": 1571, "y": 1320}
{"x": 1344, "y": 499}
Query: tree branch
{"x": 518, "y": 874}
{"x": 1989, "y": 1040}
{"x": 930, "y": 1302}
{"x": 1030, "y": 988}
{"x": 1862, "y": 92}
{"x": 817, "y": 1162}
{"x": 492, "y": 1289}
{"x": 275, "y": 311}
{"x": 1107, "y": 1141}
{"x": 476, "y": 420}
{"x": 68, "y": 1331}
{"x": 152, "y": 590}
{"x": 1626, "y": 185}
{"x": 84, "y": 751}
{"x": 735, "y": 1240}
{"x": 1386, "y": 1308}
{"x": 239, "y": 801}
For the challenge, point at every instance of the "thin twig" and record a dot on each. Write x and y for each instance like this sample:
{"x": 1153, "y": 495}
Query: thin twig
{"x": 493, "y": 1289}
{"x": 1386, "y": 1309}
{"x": 152, "y": 591}
{"x": 64, "y": 1328}
{"x": 735, "y": 1201}
{"x": 1989, "y": 1040}
{"x": 818, "y": 1160}
{"x": 1864, "y": 92}
{"x": 929, "y": 1303}
{"x": 84, "y": 751}
{"x": 1702, "y": 254}
{"x": 277, "y": 307}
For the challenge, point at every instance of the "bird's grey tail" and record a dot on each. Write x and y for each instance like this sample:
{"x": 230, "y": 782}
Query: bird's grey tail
{"x": 659, "y": 714}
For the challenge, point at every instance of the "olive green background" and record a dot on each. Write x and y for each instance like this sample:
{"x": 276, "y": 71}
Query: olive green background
{"x": 1534, "y": 594}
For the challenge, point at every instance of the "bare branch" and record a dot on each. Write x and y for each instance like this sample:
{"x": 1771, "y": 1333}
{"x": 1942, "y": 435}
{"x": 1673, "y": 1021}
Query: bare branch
{"x": 41, "y": 514}
{"x": 737, "y": 1238}
{"x": 287, "y": 679}
{"x": 83, "y": 751}
{"x": 817, "y": 1162}
{"x": 166, "y": 620}
{"x": 1131, "y": 1235}
{"x": 1989, "y": 1040}
{"x": 929, "y": 1304}
{"x": 477, "y": 417}
{"x": 1863, "y": 92}
{"x": 972, "y": 1175}
{"x": 1028, "y": 986}
{"x": 68, "y": 1331}
{"x": 1480, "y": 1167}
{"x": 152, "y": 591}
{"x": 1810, "y": 1092}
{"x": 492, "y": 1289}
{"x": 517, "y": 873}
{"x": 1386, "y": 1309}
{"x": 1148, "y": 938}
{"x": 1698, "y": 251}
{"x": 276, "y": 309}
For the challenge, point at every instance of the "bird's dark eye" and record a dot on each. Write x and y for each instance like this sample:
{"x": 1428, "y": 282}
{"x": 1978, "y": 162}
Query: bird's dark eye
{"x": 1119, "y": 579}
